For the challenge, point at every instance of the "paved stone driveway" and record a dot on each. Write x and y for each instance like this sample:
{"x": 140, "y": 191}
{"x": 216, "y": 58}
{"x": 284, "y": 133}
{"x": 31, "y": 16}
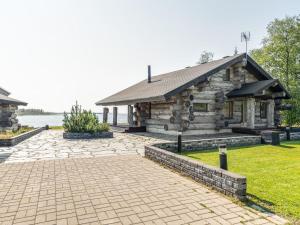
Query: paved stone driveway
{"x": 126, "y": 189}
{"x": 51, "y": 145}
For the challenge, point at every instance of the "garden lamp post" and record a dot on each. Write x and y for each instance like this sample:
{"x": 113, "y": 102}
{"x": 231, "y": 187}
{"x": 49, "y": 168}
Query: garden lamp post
{"x": 223, "y": 156}
{"x": 179, "y": 141}
{"x": 288, "y": 133}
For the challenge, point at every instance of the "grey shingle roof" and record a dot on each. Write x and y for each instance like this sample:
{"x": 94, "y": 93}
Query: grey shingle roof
{"x": 4, "y": 92}
{"x": 8, "y": 100}
{"x": 254, "y": 88}
{"x": 166, "y": 85}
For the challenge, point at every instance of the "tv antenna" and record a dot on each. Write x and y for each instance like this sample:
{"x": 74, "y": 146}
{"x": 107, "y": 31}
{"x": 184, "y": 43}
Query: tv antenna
{"x": 245, "y": 37}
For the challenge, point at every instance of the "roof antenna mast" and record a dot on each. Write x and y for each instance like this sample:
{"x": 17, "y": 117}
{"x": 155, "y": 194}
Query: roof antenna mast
{"x": 245, "y": 37}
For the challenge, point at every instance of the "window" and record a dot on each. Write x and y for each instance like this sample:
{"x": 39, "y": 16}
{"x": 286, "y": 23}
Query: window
{"x": 200, "y": 107}
{"x": 263, "y": 110}
{"x": 227, "y": 75}
{"x": 228, "y": 110}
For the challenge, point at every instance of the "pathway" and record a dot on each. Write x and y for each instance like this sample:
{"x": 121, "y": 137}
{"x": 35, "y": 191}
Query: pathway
{"x": 51, "y": 145}
{"x": 126, "y": 189}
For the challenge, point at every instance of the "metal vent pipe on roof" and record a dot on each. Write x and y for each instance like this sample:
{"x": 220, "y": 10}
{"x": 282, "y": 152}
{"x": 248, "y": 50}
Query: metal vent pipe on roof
{"x": 149, "y": 74}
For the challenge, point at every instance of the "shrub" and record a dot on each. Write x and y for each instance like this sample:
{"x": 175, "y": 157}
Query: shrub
{"x": 82, "y": 121}
{"x": 292, "y": 117}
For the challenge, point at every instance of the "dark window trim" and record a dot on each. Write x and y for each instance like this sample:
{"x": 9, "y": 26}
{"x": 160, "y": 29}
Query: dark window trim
{"x": 227, "y": 75}
{"x": 263, "y": 110}
{"x": 206, "y": 107}
{"x": 230, "y": 110}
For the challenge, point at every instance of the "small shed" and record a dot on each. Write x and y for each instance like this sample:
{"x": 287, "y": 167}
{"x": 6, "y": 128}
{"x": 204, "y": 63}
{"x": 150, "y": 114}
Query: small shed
{"x": 8, "y": 107}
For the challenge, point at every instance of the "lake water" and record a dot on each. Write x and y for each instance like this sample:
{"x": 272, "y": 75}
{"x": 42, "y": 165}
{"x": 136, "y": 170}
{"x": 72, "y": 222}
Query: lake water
{"x": 56, "y": 120}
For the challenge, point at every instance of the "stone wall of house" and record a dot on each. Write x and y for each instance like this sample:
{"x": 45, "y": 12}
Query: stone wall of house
{"x": 221, "y": 180}
{"x": 8, "y": 117}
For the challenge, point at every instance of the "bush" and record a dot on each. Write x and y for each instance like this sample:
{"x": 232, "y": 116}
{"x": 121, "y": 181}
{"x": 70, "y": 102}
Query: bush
{"x": 292, "y": 117}
{"x": 82, "y": 121}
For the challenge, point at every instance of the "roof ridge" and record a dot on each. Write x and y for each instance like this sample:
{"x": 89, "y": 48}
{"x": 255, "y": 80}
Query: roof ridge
{"x": 199, "y": 65}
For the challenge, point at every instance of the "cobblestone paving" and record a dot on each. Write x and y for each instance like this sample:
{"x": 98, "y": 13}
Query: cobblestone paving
{"x": 51, "y": 145}
{"x": 127, "y": 189}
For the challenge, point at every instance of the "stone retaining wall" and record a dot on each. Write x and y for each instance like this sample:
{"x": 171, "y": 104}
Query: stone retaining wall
{"x": 205, "y": 144}
{"x": 267, "y": 136}
{"x": 221, "y": 180}
{"x": 68, "y": 135}
{"x": 17, "y": 139}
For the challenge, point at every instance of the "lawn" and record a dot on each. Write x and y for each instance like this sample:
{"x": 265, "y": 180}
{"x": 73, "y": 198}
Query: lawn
{"x": 273, "y": 174}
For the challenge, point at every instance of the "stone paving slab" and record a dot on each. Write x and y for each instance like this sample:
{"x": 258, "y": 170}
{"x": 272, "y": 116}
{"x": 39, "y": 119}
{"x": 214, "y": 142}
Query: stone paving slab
{"x": 51, "y": 145}
{"x": 127, "y": 189}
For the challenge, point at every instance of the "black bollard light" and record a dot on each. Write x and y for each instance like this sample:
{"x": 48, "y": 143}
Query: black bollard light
{"x": 288, "y": 133}
{"x": 179, "y": 142}
{"x": 223, "y": 156}
{"x": 275, "y": 138}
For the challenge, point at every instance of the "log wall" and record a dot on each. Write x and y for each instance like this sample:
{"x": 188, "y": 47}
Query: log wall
{"x": 178, "y": 114}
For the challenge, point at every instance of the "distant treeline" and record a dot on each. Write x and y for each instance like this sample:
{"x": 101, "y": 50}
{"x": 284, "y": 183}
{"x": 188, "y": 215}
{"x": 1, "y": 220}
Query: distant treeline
{"x": 34, "y": 112}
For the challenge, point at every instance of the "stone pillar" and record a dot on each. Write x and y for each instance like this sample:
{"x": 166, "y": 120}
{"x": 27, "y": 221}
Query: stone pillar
{"x": 251, "y": 113}
{"x": 130, "y": 115}
{"x": 105, "y": 114}
{"x": 8, "y": 118}
{"x": 270, "y": 113}
{"x": 115, "y": 116}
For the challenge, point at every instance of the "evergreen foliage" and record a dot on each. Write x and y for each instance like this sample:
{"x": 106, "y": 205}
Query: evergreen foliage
{"x": 83, "y": 121}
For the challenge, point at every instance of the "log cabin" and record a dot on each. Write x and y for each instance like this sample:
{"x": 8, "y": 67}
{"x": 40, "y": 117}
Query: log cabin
{"x": 8, "y": 107}
{"x": 210, "y": 98}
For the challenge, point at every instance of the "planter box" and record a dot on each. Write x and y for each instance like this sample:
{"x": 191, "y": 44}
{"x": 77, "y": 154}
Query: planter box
{"x": 68, "y": 135}
{"x": 17, "y": 139}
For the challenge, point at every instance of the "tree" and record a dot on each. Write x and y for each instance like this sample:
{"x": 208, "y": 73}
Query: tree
{"x": 280, "y": 50}
{"x": 205, "y": 57}
{"x": 279, "y": 56}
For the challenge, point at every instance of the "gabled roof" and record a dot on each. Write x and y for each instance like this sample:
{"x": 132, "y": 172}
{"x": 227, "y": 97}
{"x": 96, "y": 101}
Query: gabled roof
{"x": 4, "y": 92}
{"x": 255, "y": 88}
{"x": 164, "y": 86}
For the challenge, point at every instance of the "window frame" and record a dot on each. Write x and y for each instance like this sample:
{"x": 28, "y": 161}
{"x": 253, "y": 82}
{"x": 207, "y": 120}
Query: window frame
{"x": 202, "y": 103}
{"x": 227, "y": 75}
{"x": 230, "y": 110}
{"x": 263, "y": 108}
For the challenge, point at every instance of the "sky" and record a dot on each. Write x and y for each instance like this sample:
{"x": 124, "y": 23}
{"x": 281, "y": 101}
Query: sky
{"x": 55, "y": 52}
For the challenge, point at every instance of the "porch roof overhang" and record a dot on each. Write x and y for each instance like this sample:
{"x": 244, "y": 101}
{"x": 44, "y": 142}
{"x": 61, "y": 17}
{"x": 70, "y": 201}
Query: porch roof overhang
{"x": 10, "y": 101}
{"x": 257, "y": 88}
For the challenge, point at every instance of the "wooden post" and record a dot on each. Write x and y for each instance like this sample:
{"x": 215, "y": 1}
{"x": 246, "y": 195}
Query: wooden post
{"x": 105, "y": 114}
{"x": 270, "y": 113}
{"x": 251, "y": 113}
{"x": 115, "y": 116}
{"x": 130, "y": 115}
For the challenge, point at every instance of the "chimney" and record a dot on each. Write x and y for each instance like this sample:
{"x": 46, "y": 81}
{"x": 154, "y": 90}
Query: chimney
{"x": 149, "y": 74}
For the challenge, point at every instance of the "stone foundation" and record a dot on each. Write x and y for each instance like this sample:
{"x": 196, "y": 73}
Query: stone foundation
{"x": 221, "y": 180}
{"x": 267, "y": 136}
{"x": 205, "y": 144}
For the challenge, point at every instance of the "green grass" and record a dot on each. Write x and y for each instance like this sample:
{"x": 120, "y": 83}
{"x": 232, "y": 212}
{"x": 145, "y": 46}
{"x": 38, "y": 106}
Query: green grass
{"x": 56, "y": 127}
{"x": 273, "y": 174}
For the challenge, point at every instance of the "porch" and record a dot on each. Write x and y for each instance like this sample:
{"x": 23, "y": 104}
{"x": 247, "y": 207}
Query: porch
{"x": 254, "y": 106}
